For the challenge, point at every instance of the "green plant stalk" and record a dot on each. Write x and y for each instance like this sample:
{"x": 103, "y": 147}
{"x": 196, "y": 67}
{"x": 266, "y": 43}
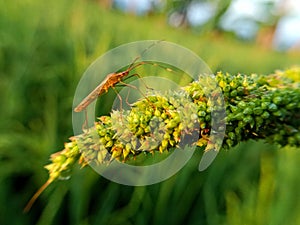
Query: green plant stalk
{"x": 257, "y": 107}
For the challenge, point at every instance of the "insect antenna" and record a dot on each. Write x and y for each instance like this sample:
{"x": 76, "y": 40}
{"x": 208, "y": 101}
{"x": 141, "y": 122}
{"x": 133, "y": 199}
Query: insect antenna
{"x": 132, "y": 66}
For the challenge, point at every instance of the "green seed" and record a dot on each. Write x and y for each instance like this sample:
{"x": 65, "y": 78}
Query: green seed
{"x": 164, "y": 116}
{"x": 233, "y": 93}
{"x": 164, "y": 143}
{"x": 248, "y": 119}
{"x": 277, "y": 113}
{"x": 242, "y": 105}
{"x": 201, "y": 113}
{"x": 265, "y": 115}
{"x": 139, "y": 132}
{"x": 234, "y": 84}
{"x": 59, "y": 159}
{"x": 265, "y": 105}
{"x": 272, "y": 107}
{"x": 247, "y": 111}
{"x": 203, "y": 125}
{"x": 109, "y": 144}
{"x": 259, "y": 121}
{"x": 231, "y": 135}
{"x": 241, "y": 124}
{"x": 239, "y": 116}
{"x": 147, "y": 129}
{"x": 208, "y": 118}
{"x": 240, "y": 90}
{"x": 157, "y": 113}
{"x": 229, "y": 142}
{"x": 258, "y": 111}
{"x": 171, "y": 124}
{"x": 226, "y": 88}
{"x": 107, "y": 138}
{"x": 234, "y": 109}
{"x": 167, "y": 136}
{"x": 222, "y": 84}
{"x": 292, "y": 105}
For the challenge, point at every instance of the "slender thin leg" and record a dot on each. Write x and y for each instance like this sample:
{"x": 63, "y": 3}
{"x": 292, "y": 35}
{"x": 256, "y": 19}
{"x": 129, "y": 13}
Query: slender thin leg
{"x": 120, "y": 98}
{"x": 137, "y": 75}
{"x": 85, "y": 123}
{"x": 134, "y": 87}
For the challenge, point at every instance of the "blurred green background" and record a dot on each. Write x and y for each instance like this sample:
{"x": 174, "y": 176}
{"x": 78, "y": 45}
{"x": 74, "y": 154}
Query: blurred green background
{"x": 45, "y": 48}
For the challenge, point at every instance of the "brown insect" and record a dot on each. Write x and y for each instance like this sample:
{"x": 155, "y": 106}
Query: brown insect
{"x": 111, "y": 80}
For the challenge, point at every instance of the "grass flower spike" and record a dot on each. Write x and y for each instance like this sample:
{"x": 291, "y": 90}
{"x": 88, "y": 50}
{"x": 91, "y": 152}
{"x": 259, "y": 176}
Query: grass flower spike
{"x": 257, "y": 107}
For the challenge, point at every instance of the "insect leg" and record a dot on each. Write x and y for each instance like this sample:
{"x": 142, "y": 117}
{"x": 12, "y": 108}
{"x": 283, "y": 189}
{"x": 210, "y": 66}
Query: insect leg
{"x": 120, "y": 98}
{"x": 134, "y": 87}
{"x": 85, "y": 125}
{"x": 139, "y": 76}
{"x": 127, "y": 98}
